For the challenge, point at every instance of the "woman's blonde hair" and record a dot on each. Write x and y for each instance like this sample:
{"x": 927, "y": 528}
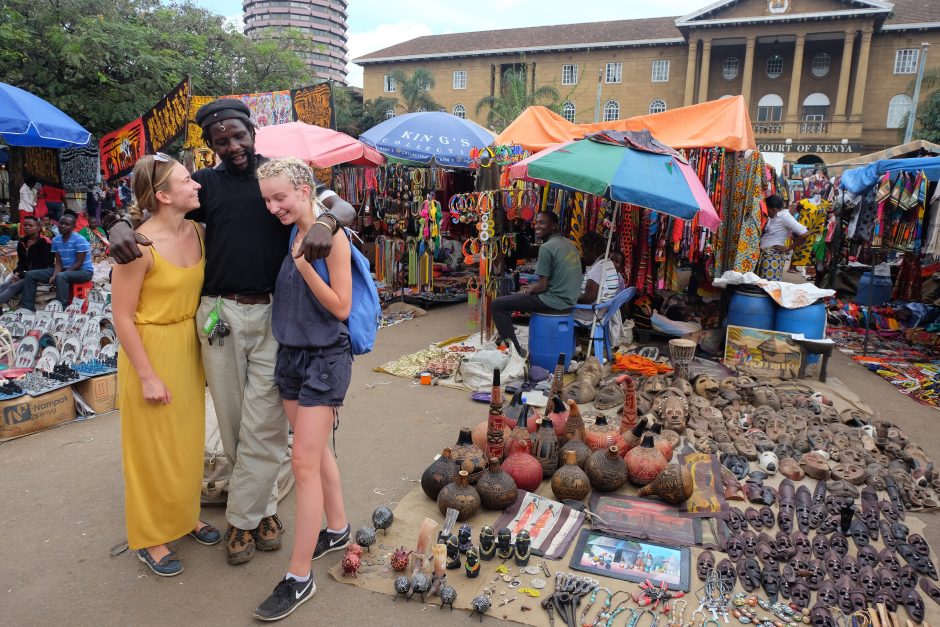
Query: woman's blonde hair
{"x": 151, "y": 175}
{"x": 296, "y": 171}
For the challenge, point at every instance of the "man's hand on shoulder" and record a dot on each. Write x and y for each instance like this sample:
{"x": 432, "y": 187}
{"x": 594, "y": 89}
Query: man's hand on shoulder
{"x": 126, "y": 243}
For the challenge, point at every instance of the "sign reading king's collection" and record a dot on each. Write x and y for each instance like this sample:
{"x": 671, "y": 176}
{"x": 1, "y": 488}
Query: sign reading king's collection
{"x": 810, "y": 147}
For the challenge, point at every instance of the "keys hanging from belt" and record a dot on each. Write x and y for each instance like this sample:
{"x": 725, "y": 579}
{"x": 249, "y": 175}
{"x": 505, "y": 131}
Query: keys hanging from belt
{"x": 219, "y": 332}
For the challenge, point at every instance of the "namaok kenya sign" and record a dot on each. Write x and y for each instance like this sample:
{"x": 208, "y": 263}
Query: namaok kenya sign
{"x": 809, "y": 147}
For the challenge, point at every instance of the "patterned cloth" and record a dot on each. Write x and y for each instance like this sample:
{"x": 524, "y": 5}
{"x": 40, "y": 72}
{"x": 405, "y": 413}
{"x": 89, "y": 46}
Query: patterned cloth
{"x": 813, "y": 217}
{"x": 738, "y": 244}
{"x": 773, "y": 264}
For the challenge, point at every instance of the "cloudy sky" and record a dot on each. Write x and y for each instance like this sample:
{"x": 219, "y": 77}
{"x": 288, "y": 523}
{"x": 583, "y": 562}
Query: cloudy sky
{"x": 376, "y": 24}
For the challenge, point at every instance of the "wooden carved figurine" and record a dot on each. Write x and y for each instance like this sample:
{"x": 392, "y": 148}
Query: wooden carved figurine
{"x": 628, "y": 418}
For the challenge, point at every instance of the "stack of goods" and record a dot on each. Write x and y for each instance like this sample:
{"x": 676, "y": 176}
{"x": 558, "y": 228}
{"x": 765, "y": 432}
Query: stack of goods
{"x": 53, "y": 348}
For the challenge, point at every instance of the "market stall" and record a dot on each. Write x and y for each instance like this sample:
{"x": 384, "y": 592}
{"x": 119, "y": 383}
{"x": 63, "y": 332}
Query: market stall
{"x": 699, "y": 497}
{"x": 883, "y": 240}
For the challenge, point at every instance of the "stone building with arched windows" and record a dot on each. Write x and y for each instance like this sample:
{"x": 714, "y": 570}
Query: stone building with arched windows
{"x": 826, "y": 78}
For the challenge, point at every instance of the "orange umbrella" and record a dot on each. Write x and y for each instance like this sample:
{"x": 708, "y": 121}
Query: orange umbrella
{"x": 321, "y": 147}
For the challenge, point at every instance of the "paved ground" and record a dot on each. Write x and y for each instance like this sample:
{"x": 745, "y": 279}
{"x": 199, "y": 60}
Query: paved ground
{"x": 61, "y": 506}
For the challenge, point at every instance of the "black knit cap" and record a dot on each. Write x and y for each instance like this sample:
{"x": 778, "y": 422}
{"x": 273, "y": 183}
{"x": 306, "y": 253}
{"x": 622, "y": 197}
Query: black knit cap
{"x": 223, "y": 109}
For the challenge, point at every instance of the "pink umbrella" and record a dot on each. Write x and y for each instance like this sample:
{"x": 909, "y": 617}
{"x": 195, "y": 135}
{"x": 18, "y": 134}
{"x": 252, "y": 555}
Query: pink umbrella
{"x": 320, "y": 147}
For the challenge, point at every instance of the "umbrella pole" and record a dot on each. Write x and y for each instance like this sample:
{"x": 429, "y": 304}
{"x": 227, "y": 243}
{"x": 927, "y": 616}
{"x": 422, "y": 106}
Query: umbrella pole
{"x": 597, "y": 299}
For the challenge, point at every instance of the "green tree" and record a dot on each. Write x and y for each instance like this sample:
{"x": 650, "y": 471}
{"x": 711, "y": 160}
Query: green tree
{"x": 928, "y": 119}
{"x": 105, "y": 62}
{"x": 514, "y": 98}
{"x": 415, "y": 91}
{"x": 354, "y": 118}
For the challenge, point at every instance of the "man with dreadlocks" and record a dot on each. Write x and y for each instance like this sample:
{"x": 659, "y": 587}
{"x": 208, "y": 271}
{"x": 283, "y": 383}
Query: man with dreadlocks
{"x": 244, "y": 248}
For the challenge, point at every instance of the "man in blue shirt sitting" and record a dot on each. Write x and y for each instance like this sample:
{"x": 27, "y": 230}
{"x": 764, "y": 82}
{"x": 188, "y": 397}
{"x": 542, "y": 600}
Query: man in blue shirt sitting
{"x": 72, "y": 265}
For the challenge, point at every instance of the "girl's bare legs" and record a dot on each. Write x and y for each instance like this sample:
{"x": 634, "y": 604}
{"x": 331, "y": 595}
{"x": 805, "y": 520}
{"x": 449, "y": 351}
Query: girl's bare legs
{"x": 312, "y": 427}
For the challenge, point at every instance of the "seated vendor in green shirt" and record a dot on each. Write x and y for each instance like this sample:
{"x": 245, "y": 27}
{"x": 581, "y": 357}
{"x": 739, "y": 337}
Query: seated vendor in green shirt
{"x": 558, "y": 287}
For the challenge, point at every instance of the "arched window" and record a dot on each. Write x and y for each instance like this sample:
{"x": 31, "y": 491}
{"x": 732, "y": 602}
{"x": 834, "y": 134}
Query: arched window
{"x": 821, "y": 63}
{"x": 769, "y": 114}
{"x": 815, "y": 114}
{"x": 774, "y": 66}
{"x": 657, "y": 106}
{"x": 611, "y": 111}
{"x": 389, "y": 113}
{"x": 568, "y": 111}
{"x": 898, "y": 109}
{"x": 460, "y": 111}
{"x": 729, "y": 69}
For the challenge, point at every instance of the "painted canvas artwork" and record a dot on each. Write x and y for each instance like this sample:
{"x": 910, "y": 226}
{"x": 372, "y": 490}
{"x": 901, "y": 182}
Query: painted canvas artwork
{"x": 760, "y": 352}
{"x": 632, "y": 560}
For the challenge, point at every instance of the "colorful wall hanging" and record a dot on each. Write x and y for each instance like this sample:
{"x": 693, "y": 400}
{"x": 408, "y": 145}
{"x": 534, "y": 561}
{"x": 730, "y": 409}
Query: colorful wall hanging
{"x": 167, "y": 119}
{"x": 121, "y": 149}
{"x": 43, "y": 163}
{"x": 314, "y": 105}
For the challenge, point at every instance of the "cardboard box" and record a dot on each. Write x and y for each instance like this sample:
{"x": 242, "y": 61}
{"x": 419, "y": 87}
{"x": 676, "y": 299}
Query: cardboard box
{"x": 99, "y": 392}
{"x": 27, "y": 414}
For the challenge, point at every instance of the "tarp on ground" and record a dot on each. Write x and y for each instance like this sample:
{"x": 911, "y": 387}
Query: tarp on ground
{"x": 724, "y": 123}
{"x": 860, "y": 180}
{"x": 916, "y": 148}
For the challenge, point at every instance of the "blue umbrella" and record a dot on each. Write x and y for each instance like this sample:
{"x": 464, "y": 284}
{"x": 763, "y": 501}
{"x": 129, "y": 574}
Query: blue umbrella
{"x": 429, "y": 137}
{"x": 27, "y": 120}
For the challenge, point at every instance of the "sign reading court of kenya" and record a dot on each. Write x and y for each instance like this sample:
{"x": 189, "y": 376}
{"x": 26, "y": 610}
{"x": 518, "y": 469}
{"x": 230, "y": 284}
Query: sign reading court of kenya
{"x": 809, "y": 147}
{"x": 27, "y": 414}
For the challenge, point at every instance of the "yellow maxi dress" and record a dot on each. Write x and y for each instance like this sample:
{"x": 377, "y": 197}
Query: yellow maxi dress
{"x": 163, "y": 446}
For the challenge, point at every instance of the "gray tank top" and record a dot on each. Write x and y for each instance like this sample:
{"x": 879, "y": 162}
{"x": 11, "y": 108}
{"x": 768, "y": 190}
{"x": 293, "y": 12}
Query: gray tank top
{"x": 298, "y": 319}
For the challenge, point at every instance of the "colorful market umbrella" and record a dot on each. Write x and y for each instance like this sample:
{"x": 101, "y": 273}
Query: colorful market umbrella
{"x": 28, "y": 120}
{"x": 428, "y": 137}
{"x": 316, "y": 145}
{"x": 661, "y": 182}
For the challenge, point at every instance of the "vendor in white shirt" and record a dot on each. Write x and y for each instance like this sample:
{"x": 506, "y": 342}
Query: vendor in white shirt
{"x": 600, "y": 279}
{"x": 782, "y": 234}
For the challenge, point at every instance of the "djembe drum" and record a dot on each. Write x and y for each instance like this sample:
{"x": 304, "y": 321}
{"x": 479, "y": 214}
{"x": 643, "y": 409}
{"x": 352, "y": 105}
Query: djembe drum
{"x": 681, "y": 353}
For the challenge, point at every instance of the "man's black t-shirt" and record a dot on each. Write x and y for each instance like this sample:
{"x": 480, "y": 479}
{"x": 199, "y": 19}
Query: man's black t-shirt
{"x": 244, "y": 243}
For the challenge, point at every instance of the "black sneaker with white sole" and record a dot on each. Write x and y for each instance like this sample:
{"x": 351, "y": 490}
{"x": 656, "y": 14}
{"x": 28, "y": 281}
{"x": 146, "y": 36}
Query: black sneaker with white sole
{"x": 288, "y": 595}
{"x": 328, "y": 541}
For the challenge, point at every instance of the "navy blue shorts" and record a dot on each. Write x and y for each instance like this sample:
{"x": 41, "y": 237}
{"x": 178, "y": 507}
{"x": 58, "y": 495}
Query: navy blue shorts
{"x": 314, "y": 377}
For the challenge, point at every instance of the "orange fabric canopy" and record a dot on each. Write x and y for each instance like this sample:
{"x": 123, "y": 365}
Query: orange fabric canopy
{"x": 724, "y": 123}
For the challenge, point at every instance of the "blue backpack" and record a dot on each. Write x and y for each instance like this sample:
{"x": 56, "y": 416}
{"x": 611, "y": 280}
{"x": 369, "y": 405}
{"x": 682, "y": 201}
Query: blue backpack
{"x": 365, "y": 316}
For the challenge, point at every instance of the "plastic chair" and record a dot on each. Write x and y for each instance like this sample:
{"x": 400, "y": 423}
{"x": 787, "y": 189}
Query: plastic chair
{"x": 601, "y": 336}
{"x": 81, "y": 290}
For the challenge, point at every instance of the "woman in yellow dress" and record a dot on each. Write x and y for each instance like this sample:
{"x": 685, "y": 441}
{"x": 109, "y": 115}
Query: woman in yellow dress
{"x": 160, "y": 376}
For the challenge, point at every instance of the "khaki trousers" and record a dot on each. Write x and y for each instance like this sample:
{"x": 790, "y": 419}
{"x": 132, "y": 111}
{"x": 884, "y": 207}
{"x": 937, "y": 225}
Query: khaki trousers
{"x": 252, "y": 423}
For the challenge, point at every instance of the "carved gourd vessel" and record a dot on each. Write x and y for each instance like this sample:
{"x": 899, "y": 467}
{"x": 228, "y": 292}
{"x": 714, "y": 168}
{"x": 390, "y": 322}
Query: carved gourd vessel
{"x": 645, "y": 462}
{"x": 673, "y": 485}
{"x": 606, "y": 470}
{"x": 442, "y": 471}
{"x": 557, "y": 413}
{"x": 662, "y": 443}
{"x": 570, "y": 481}
{"x": 524, "y": 469}
{"x": 520, "y": 433}
{"x": 496, "y": 487}
{"x": 467, "y": 453}
{"x": 545, "y": 448}
{"x": 575, "y": 443}
{"x": 461, "y": 496}
{"x": 575, "y": 421}
{"x": 601, "y": 435}
{"x": 633, "y": 437}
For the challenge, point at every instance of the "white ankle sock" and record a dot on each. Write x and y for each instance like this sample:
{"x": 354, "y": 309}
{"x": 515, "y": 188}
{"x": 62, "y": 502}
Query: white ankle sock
{"x": 298, "y": 577}
{"x": 336, "y": 531}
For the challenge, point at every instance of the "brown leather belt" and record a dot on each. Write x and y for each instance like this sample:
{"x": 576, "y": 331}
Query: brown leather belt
{"x": 249, "y": 299}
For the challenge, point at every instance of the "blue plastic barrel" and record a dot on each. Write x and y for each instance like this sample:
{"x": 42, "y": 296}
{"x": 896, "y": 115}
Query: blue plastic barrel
{"x": 549, "y": 335}
{"x": 809, "y": 320}
{"x": 751, "y": 307}
{"x": 875, "y": 291}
